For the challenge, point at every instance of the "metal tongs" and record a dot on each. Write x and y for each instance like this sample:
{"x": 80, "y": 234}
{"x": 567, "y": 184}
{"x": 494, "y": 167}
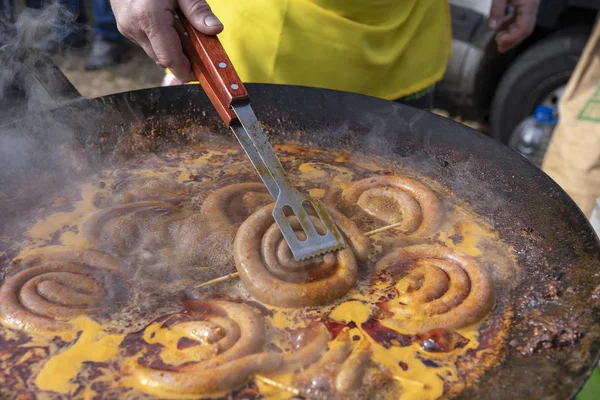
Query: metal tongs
{"x": 220, "y": 81}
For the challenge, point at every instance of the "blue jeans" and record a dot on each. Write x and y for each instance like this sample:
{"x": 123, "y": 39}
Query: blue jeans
{"x": 105, "y": 24}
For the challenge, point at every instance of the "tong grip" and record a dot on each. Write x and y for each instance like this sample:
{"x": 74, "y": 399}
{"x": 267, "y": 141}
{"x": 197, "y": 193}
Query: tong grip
{"x": 212, "y": 68}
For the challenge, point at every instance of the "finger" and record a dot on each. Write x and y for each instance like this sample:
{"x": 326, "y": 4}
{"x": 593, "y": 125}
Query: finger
{"x": 144, "y": 43}
{"x": 506, "y": 22}
{"x": 137, "y": 36}
{"x": 129, "y": 34}
{"x": 522, "y": 27}
{"x": 504, "y": 26}
{"x": 167, "y": 46}
{"x": 200, "y": 15}
{"x": 501, "y": 42}
{"x": 497, "y": 13}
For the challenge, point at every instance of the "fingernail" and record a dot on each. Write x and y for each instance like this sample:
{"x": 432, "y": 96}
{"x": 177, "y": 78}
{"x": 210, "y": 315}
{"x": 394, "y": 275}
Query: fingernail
{"x": 493, "y": 24}
{"x": 211, "y": 20}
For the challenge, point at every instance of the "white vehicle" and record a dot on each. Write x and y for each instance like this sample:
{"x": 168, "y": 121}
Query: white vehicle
{"x": 501, "y": 90}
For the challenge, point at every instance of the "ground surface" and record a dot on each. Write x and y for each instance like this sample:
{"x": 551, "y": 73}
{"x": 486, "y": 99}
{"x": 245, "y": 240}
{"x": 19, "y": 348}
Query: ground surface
{"x": 139, "y": 72}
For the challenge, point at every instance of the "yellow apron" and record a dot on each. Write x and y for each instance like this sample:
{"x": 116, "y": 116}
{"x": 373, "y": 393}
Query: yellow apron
{"x": 382, "y": 48}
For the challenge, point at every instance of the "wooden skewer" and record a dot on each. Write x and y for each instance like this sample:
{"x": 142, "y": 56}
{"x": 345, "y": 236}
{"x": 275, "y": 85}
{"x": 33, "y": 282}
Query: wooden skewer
{"x": 218, "y": 280}
{"x": 278, "y": 385}
{"x": 236, "y": 275}
{"x": 383, "y": 229}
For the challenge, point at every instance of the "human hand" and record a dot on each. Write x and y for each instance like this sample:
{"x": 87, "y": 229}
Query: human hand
{"x": 515, "y": 27}
{"x": 150, "y": 24}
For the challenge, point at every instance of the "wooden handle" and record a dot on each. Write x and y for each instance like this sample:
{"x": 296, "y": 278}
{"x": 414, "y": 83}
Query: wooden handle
{"x": 212, "y": 68}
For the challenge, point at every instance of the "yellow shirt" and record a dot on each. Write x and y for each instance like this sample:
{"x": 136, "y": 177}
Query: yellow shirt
{"x": 382, "y": 48}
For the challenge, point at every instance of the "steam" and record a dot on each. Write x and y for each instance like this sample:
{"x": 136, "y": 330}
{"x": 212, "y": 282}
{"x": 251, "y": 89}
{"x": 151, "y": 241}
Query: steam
{"x": 32, "y": 164}
{"x": 407, "y": 137}
{"x": 21, "y": 89}
{"x": 35, "y": 25}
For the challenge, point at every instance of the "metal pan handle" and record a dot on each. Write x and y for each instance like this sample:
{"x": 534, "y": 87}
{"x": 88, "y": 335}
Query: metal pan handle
{"x": 212, "y": 68}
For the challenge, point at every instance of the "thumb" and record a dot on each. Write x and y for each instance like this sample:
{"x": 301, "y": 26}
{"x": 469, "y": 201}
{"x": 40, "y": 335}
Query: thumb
{"x": 200, "y": 15}
{"x": 497, "y": 13}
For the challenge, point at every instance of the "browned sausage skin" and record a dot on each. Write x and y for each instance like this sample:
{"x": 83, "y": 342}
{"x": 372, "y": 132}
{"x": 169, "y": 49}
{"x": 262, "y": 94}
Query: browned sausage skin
{"x": 239, "y": 355}
{"x": 231, "y": 205}
{"x": 397, "y": 199}
{"x": 438, "y": 288}
{"x": 350, "y": 375}
{"x": 52, "y": 289}
{"x": 340, "y": 368}
{"x": 269, "y": 271}
{"x": 162, "y": 240}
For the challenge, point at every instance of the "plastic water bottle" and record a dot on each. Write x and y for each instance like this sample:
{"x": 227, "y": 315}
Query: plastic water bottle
{"x": 532, "y": 136}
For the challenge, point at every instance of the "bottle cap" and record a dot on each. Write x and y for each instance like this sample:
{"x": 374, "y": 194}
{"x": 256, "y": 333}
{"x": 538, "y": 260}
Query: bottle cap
{"x": 546, "y": 115}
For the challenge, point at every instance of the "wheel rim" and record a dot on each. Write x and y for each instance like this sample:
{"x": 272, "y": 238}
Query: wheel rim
{"x": 552, "y": 99}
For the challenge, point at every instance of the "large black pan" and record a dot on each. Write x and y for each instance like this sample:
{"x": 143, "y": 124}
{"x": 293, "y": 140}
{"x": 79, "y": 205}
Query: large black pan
{"x": 551, "y": 237}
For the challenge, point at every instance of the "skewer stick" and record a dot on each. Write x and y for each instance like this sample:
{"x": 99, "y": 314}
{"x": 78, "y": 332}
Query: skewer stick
{"x": 218, "y": 280}
{"x": 278, "y": 385}
{"x": 236, "y": 275}
{"x": 383, "y": 229}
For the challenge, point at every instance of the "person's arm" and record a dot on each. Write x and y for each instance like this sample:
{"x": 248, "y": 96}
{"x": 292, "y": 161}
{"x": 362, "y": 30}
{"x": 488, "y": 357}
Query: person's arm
{"x": 515, "y": 27}
{"x": 150, "y": 24}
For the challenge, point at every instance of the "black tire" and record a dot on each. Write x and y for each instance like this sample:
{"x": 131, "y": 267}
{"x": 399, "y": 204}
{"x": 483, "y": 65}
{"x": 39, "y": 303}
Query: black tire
{"x": 534, "y": 74}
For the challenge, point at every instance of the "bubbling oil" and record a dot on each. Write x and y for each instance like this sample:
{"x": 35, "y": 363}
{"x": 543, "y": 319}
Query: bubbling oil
{"x": 171, "y": 247}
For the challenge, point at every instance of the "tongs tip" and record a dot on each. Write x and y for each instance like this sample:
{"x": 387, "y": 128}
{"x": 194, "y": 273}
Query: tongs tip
{"x": 322, "y": 252}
